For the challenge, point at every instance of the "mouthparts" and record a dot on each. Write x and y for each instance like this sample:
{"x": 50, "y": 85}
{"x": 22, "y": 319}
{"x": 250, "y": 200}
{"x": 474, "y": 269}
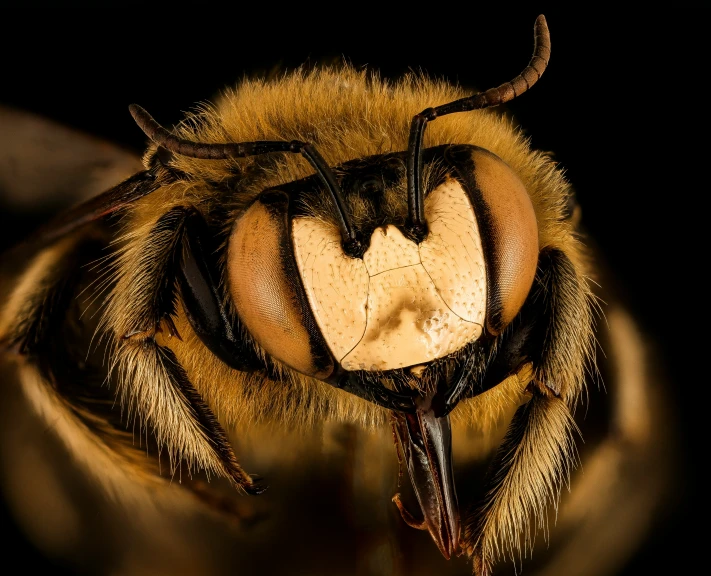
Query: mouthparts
{"x": 426, "y": 443}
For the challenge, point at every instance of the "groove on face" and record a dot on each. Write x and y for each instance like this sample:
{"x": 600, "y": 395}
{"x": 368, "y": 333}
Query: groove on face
{"x": 403, "y": 304}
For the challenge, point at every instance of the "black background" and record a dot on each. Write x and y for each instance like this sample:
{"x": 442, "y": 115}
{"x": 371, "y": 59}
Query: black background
{"x": 605, "y": 107}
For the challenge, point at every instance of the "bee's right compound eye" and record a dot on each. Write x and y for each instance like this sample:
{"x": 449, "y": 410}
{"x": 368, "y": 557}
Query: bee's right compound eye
{"x": 266, "y": 288}
{"x": 509, "y": 230}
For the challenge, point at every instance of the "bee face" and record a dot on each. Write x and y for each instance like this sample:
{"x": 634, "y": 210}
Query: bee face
{"x": 404, "y": 302}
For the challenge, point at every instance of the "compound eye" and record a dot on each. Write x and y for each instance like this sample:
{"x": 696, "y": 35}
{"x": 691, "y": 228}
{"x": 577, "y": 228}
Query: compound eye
{"x": 509, "y": 232}
{"x": 266, "y": 288}
{"x": 513, "y": 233}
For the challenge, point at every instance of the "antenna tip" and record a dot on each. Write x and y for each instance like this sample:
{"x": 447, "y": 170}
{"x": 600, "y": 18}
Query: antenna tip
{"x": 136, "y": 111}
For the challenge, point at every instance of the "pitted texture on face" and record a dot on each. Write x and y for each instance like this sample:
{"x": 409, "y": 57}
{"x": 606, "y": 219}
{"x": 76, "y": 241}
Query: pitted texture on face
{"x": 389, "y": 249}
{"x": 408, "y": 323}
{"x": 452, "y": 253}
{"x": 335, "y": 284}
{"x": 402, "y": 304}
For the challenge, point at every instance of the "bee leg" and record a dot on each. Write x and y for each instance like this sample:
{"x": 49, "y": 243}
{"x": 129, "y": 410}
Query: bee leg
{"x": 533, "y": 461}
{"x": 150, "y": 381}
{"x": 554, "y": 332}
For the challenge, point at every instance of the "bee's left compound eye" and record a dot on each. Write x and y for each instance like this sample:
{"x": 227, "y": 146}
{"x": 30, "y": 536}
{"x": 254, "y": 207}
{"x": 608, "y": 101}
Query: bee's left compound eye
{"x": 266, "y": 288}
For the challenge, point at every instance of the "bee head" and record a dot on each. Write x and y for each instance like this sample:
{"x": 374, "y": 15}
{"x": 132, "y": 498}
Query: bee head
{"x": 404, "y": 301}
{"x": 441, "y": 250}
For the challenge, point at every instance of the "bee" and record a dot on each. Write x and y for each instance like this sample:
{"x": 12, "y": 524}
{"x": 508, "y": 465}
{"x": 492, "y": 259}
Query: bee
{"x": 324, "y": 249}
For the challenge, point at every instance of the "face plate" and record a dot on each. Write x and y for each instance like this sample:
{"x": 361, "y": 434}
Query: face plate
{"x": 402, "y": 304}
